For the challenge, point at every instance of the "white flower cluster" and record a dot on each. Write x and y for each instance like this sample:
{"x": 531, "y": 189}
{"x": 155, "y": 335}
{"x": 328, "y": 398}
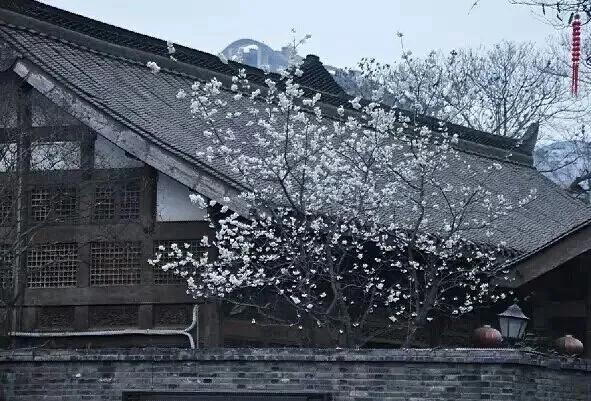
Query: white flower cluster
{"x": 355, "y": 215}
{"x": 153, "y": 67}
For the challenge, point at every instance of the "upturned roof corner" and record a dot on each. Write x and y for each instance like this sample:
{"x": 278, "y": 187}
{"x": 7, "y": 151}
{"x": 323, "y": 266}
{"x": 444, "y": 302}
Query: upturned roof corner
{"x": 528, "y": 142}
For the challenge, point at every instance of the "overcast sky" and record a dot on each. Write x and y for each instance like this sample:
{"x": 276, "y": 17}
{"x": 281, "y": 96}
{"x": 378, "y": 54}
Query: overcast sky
{"x": 342, "y": 31}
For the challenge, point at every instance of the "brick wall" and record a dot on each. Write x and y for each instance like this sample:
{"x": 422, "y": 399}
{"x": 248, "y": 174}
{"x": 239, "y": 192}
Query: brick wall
{"x": 364, "y": 375}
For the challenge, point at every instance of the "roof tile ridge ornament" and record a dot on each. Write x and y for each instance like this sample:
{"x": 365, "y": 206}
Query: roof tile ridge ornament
{"x": 474, "y": 141}
{"x": 528, "y": 141}
{"x": 312, "y": 64}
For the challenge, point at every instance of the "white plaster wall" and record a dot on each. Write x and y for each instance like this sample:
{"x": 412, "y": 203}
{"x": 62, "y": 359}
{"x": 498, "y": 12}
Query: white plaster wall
{"x": 109, "y": 155}
{"x": 172, "y": 202}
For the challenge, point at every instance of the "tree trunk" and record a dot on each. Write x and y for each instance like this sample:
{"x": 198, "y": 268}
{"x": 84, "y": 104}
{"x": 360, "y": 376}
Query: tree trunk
{"x": 410, "y": 337}
{"x": 413, "y": 326}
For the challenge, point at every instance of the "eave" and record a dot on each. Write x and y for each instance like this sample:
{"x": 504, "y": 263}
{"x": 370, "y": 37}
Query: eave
{"x": 552, "y": 255}
{"x": 130, "y": 140}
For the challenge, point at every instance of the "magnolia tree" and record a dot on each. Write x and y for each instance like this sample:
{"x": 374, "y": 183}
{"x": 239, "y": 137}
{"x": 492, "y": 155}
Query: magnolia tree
{"x": 356, "y": 226}
{"x": 501, "y": 89}
{"x": 558, "y": 9}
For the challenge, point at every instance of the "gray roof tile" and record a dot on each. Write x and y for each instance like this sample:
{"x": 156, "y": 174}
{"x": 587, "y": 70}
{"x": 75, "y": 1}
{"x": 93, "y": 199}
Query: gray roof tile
{"x": 126, "y": 90}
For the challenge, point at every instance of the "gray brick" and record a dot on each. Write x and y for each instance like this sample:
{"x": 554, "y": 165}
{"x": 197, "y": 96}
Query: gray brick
{"x": 365, "y": 375}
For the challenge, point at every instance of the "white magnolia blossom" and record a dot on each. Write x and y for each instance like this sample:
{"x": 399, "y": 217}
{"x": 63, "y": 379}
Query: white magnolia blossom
{"x": 198, "y": 200}
{"x": 356, "y": 222}
{"x": 153, "y": 67}
{"x": 170, "y": 48}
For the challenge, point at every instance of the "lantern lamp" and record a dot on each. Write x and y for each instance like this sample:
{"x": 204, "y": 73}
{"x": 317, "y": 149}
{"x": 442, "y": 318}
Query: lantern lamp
{"x": 512, "y": 323}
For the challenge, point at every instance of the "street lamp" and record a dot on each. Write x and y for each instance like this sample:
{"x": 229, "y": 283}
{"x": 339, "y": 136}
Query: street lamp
{"x": 512, "y": 323}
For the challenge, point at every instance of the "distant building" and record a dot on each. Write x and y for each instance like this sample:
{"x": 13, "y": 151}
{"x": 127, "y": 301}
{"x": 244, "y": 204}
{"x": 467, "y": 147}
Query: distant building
{"x": 258, "y": 54}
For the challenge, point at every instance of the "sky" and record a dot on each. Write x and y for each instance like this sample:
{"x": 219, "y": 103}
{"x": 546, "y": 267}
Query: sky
{"x": 342, "y": 31}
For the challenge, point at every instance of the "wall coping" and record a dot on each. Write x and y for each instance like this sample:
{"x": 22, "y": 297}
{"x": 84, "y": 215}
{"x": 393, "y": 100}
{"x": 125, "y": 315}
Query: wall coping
{"x": 450, "y": 356}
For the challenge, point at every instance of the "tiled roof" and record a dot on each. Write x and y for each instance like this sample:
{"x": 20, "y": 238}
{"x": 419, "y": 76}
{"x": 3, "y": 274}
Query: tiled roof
{"x": 315, "y": 80}
{"x": 118, "y": 83}
{"x": 316, "y": 77}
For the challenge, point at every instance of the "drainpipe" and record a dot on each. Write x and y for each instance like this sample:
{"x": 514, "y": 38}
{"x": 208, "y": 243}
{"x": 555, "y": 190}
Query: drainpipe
{"x": 150, "y": 332}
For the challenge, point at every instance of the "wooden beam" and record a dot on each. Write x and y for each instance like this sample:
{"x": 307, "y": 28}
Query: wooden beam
{"x": 564, "y": 309}
{"x": 551, "y": 257}
{"x": 200, "y": 179}
{"x": 48, "y": 133}
{"x": 108, "y": 295}
{"x": 587, "y": 339}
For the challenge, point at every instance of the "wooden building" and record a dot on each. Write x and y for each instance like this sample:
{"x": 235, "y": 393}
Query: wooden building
{"x": 99, "y": 163}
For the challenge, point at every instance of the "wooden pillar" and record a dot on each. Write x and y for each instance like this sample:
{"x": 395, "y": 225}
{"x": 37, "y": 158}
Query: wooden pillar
{"x": 24, "y": 124}
{"x": 587, "y": 339}
{"x": 210, "y": 323}
{"x": 148, "y": 221}
{"x": 211, "y": 315}
{"x": 540, "y": 319}
{"x": 146, "y": 316}
{"x": 81, "y": 317}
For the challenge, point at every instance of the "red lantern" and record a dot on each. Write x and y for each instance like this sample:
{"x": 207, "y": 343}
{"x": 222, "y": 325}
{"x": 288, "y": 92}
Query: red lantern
{"x": 569, "y": 345}
{"x": 575, "y": 53}
{"x": 487, "y": 337}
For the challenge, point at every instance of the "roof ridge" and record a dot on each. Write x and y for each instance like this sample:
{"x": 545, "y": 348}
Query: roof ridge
{"x": 106, "y": 53}
{"x": 171, "y": 67}
{"x": 125, "y": 38}
{"x": 116, "y": 116}
{"x": 484, "y": 141}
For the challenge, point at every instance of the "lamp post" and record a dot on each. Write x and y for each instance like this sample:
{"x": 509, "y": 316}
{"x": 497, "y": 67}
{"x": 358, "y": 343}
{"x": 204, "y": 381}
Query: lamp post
{"x": 512, "y": 323}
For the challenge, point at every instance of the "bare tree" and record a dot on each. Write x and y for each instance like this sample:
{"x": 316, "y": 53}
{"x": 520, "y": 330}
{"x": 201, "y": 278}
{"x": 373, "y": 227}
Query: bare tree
{"x": 567, "y": 158}
{"x": 501, "y": 89}
{"x": 560, "y": 10}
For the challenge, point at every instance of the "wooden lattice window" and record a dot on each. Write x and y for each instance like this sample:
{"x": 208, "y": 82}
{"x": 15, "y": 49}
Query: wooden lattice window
{"x": 117, "y": 201}
{"x": 6, "y": 260}
{"x": 130, "y": 201}
{"x": 172, "y": 315}
{"x": 168, "y": 277}
{"x": 66, "y": 205}
{"x": 56, "y": 318}
{"x": 6, "y": 207}
{"x": 104, "y": 203}
{"x": 52, "y": 265}
{"x": 40, "y": 204}
{"x": 115, "y": 263}
{"x": 106, "y": 316}
{"x": 57, "y": 205}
